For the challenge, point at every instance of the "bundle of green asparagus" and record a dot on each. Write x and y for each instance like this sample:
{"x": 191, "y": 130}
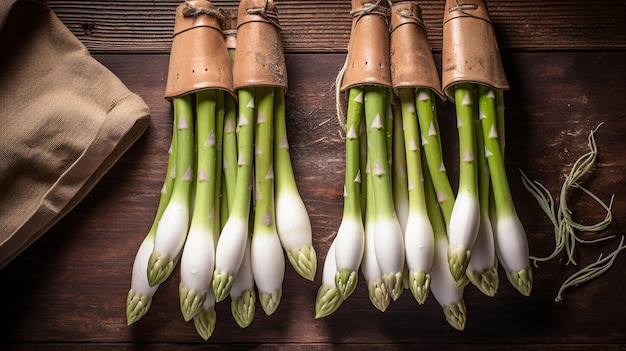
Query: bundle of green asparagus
{"x": 473, "y": 77}
{"x": 219, "y": 254}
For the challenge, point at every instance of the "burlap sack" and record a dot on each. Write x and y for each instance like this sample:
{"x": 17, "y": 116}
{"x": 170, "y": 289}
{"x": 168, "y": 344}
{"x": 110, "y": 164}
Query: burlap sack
{"x": 65, "y": 120}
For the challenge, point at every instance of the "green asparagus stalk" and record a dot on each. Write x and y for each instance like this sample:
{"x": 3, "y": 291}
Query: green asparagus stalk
{"x": 465, "y": 217}
{"x": 229, "y": 146}
{"x": 198, "y": 256}
{"x": 376, "y": 288}
{"x": 419, "y": 241}
{"x": 350, "y": 239}
{"x": 482, "y": 270}
{"x": 292, "y": 219}
{"x": 399, "y": 182}
{"x": 388, "y": 238}
{"x": 268, "y": 262}
{"x": 443, "y": 286}
{"x": 232, "y": 242}
{"x": 431, "y": 144}
{"x": 172, "y": 229}
{"x": 511, "y": 242}
{"x": 139, "y": 296}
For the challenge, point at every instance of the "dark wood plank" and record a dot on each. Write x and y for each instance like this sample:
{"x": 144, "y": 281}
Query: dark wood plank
{"x": 69, "y": 288}
{"x": 303, "y": 347}
{"x": 309, "y": 26}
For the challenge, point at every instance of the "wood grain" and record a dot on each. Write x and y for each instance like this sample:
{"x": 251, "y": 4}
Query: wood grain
{"x": 310, "y": 26}
{"x": 68, "y": 290}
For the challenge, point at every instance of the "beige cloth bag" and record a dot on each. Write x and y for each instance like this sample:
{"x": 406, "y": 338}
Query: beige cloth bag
{"x": 64, "y": 121}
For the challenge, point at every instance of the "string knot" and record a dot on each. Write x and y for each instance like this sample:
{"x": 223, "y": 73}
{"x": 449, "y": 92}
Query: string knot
{"x": 371, "y": 9}
{"x": 193, "y": 11}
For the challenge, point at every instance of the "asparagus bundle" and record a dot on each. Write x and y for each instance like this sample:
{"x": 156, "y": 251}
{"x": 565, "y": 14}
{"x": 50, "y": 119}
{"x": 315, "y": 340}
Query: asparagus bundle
{"x": 473, "y": 77}
{"x": 203, "y": 214}
{"x": 189, "y": 81}
{"x": 416, "y": 81}
{"x": 370, "y": 234}
{"x": 280, "y": 219}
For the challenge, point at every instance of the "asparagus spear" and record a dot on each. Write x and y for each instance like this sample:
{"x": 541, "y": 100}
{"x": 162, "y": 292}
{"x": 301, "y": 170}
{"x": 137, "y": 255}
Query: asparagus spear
{"x": 232, "y": 243}
{"x": 198, "y": 256}
{"x": 140, "y": 294}
{"x": 292, "y": 219}
{"x": 172, "y": 229}
{"x": 242, "y": 293}
{"x": 350, "y": 239}
{"x": 419, "y": 240}
{"x": 268, "y": 262}
{"x": 465, "y": 216}
{"x": 388, "y": 238}
{"x": 482, "y": 269}
{"x": 377, "y": 290}
{"x": 511, "y": 242}
{"x": 443, "y": 286}
{"x": 431, "y": 144}
{"x": 328, "y": 297}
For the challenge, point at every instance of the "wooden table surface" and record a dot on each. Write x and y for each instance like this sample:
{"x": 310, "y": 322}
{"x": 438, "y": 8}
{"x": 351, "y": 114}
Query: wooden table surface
{"x": 566, "y": 64}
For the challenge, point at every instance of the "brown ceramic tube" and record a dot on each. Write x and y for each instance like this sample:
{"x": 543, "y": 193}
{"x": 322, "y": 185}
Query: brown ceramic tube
{"x": 470, "y": 49}
{"x": 259, "y": 59}
{"x": 198, "y": 58}
{"x": 412, "y": 63}
{"x": 368, "y": 49}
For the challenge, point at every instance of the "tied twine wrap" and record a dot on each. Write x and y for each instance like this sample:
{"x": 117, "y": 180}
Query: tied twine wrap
{"x": 470, "y": 49}
{"x": 367, "y": 62}
{"x": 259, "y": 59}
{"x": 412, "y": 63}
{"x": 198, "y": 58}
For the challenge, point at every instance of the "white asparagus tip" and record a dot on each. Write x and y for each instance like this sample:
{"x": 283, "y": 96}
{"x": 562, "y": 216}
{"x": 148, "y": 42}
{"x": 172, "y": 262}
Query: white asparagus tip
{"x": 160, "y": 266}
{"x": 191, "y": 301}
{"x": 304, "y": 261}
{"x": 327, "y": 301}
{"x": 378, "y": 294}
{"x": 242, "y": 308}
{"x": 522, "y": 280}
{"x": 456, "y": 315}
{"x": 346, "y": 281}
{"x": 458, "y": 260}
{"x": 270, "y": 301}
{"x": 137, "y": 305}
{"x": 419, "y": 284}
{"x": 222, "y": 283}
{"x": 204, "y": 321}
{"x": 486, "y": 281}
{"x": 394, "y": 284}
